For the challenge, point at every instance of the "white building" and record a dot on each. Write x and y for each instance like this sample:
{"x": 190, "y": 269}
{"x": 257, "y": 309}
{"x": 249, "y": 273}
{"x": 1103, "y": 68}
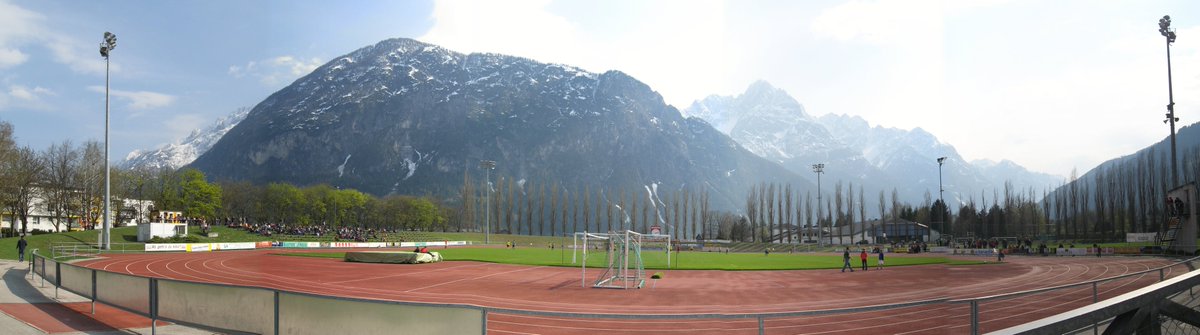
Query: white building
{"x": 42, "y": 219}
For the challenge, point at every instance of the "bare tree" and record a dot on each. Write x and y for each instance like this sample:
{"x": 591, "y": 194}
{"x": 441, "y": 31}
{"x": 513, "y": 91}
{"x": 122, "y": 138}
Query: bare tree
{"x": 882, "y": 213}
{"x": 839, "y": 218}
{"x": 23, "y": 170}
{"x": 58, "y": 182}
{"x": 752, "y": 206}
{"x": 587, "y": 209}
{"x": 790, "y": 222}
{"x": 770, "y": 212}
{"x": 808, "y": 214}
{"x": 895, "y": 210}
{"x": 862, "y": 210}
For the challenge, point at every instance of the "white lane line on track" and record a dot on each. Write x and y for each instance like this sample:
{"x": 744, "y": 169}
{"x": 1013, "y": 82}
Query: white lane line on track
{"x": 406, "y": 274}
{"x": 1047, "y": 298}
{"x": 655, "y": 331}
{"x": 511, "y": 332}
{"x": 476, "y": 278}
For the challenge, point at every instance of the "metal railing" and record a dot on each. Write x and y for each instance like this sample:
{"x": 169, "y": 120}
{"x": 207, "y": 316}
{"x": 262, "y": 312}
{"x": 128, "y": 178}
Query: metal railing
{"x": 1156, "y": 296}
{"x": 974, "y": 302}
{"x": 60, "y": 250}
{"x": 145, "y": 296}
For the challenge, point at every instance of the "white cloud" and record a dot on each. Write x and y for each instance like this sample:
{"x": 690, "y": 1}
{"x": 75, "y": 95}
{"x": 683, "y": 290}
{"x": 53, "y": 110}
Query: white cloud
{"x": 28, "y": 94}
{"x": 23, "y": 27}
{"x": 11, "y": 57}
{"x": 680, "y": 48}
{"x": 21, "y": 96}
{"x": 79, "y": 56}
{"x": 139, "y": 100}
{"x": 20, "y": 26}
{"x": 276, "y": 71}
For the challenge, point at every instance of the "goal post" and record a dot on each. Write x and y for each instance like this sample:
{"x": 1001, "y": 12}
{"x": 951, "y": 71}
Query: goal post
{"x": 621, "y": 265}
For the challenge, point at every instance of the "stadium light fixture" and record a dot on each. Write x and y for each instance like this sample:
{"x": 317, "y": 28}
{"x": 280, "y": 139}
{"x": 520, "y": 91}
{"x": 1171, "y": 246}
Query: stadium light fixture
{"x": 106, "y": 47}
{"x": 487, "y": 167}
{"x": 819, "y": 169}
{"x": 941, "y": 198}
{"x": 1164, "y": 28}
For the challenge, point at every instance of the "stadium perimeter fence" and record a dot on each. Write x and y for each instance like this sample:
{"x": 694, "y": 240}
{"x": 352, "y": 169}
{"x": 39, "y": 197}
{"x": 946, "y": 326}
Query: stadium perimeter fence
{"x": 235, "y": 308}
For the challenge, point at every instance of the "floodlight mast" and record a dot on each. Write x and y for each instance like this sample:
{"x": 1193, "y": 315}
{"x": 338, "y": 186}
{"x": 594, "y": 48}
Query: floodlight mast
{"x": 487, "y": 166}
{"x": 944, "y": 209}
{"x": 106, "y": 47}
{"x": 1164, "y": 28}
{"x": 819, "y": 168}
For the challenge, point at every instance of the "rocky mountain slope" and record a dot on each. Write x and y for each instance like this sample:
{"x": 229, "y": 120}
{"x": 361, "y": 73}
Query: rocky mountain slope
{"x": 405, "y": 117}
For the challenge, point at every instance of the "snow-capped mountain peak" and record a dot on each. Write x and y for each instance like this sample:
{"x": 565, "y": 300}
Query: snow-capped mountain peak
{"x": 182, "y": 152}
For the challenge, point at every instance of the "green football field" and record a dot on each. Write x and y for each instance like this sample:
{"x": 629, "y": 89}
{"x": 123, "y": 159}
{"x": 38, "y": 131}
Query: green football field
{"x": 657, "y": 259}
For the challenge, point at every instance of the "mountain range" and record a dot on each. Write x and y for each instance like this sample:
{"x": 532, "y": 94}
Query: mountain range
{"x": 772, "y": 124}
{"x": 182, "y": 152}
{"x": 406, "y": 117}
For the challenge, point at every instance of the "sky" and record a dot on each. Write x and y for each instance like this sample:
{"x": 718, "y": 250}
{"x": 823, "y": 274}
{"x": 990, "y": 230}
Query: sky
{"x": 1051, "y": 85}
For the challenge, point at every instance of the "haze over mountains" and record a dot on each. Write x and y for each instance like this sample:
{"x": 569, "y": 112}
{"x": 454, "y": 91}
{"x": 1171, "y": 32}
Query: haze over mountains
{"x": 772, "y": 124}
{"x": 407, "y": 117}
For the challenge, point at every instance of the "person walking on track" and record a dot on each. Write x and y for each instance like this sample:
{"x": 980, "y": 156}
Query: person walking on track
{"x": 879, "y": 265}
{"x": 846, "y": 260}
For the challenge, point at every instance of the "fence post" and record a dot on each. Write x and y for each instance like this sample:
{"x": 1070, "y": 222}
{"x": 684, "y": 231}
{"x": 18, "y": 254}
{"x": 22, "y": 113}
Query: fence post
{"x": 761, "y": 329}
{"x": 153, "y": 306}
{"x": 974, "y": 317}
{"x": 57, "y": 277}
{"x": 485, "y": 316}
{"x": 1095, "y": 292}
{"x": 93, "y": 291}
{"x": 1161, "y": 276}
{"x": 276, "y": 312}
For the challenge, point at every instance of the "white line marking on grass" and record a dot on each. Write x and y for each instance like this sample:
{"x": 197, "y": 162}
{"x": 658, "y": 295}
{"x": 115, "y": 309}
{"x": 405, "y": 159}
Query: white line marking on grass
{"x": 455, "y": 281}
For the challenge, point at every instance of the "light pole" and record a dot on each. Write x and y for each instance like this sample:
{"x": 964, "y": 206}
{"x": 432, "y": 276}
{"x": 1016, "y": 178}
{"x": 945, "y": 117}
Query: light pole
{"x": 1164, "y": 28}
{"x": 942, "y": 199}
{"x": 110, "y": 43}
{"x": 487, "y": 166}
{"x": 819, "y": 169}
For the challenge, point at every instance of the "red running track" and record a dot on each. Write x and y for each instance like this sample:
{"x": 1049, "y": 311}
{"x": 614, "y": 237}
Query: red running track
{"x": 558, "y": 289}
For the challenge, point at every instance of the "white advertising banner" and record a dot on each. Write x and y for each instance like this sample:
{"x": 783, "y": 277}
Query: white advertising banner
{"x": 1072, "y": 251}
{"x": 166, "y": 246}
{"x": 235, "y": 246}
{"x": 1140, "y": 237}
{"x": 199, "y": 247}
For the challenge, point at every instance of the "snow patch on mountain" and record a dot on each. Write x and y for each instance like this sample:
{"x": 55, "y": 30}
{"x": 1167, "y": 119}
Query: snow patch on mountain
{"x": 182, "y": 152}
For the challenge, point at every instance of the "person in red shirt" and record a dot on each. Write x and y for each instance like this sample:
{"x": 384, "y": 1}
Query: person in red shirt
{"x": 863, "y": 255}
{"x": 425, "y": 250}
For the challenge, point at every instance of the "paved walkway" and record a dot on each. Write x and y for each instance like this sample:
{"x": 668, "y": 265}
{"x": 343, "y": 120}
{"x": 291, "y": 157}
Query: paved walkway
{"x": 27, "y": 306}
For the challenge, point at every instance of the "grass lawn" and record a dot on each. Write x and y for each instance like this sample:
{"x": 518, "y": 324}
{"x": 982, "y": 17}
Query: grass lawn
{"x": 658, "y": 260}
{"x": 125, "y": 238}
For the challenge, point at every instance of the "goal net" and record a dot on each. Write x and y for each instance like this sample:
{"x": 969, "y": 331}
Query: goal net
{"x": 616, "y": 257}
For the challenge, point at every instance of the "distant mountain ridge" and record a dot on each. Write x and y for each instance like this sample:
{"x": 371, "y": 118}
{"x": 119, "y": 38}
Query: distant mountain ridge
{"x": 182, "y": 152}
{"x": 772, "y": 124}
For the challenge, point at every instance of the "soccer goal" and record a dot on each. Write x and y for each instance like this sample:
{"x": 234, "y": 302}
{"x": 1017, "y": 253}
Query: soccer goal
{"x": 620, "y": 262}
